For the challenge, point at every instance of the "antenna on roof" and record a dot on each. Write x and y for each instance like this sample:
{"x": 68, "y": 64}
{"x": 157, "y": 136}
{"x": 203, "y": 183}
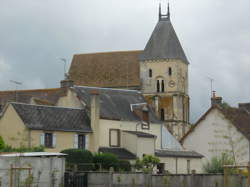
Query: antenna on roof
{"x": 211, "y": 85}
{"x": 64, "y": 68}
{"x": 16, "y": 84}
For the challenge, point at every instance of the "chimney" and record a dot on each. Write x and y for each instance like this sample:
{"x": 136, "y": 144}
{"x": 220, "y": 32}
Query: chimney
{"x": 67, "y": 82}
{"x": 145, "y": 114}
{"x": 245, "y": 106}
{"x": 216, "y": 100}
{"x": 95, "y": 117}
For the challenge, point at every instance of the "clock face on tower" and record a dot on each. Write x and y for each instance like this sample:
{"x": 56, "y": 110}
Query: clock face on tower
{"x": 171, "y": 83}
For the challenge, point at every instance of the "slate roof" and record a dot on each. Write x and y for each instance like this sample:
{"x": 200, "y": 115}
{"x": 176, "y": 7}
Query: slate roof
{"x": 163, "y": 44}
{"x": 40, "y": 96}
{"x": 115, "y": 103}
{"x": 121, "y": 153}
{"x": 180, "y": 154}
{"x": 239, "y": 117}
{"x": 107, "y": 69}
{"x": 52, "y": 118}
{"x": 141, "y": 134}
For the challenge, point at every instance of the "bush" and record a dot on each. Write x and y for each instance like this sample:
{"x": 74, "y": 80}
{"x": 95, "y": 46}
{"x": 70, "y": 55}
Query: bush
{"x": 147, "y": 163}
{"x": 124, "y": 165}
{"x": 217, "y": 162}
{"x": 8, "y": 149}
{"x": 106, "y": 160}
{"x": 2, "y": 144}
{"x": 83, "y": 159}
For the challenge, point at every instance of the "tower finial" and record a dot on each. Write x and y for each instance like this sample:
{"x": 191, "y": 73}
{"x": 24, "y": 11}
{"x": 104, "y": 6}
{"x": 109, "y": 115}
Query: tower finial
{"x": 168, "y": 14}
{"x": 159, "y": 11}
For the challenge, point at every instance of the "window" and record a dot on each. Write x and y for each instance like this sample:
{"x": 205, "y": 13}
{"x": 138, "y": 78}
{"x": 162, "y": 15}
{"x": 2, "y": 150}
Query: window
{"x": 162, "y": 86}
{"x": 150, "y": 73}
{"x": 169, "y": 71}
{"x": 145, "y": 125}
{"x": 48, "y": 140}
{"x": 188, "y": 166}
{"x": 162, "y": 114}
{"x": 158, "y": 85}
{"x": 81, "y": 141}
{"x": 114, "y": 137}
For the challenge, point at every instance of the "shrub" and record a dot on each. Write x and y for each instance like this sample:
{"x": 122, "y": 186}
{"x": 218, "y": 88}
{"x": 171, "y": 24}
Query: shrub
{"x": 106, "y": 160}
{"x": 76, "y": 156}
{"x": 147, "y": 163}
{"x": 8, "y": 149}
{"x": 82, "y": 158}
{"x": 217, "y": 162}
{"x": 2, "y": 144}
{"x": 124, "y": 165}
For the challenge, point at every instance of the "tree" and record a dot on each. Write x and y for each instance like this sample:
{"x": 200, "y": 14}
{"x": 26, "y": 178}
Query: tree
{"x": 147, "y": 163}
{"x": 2, "y": 144}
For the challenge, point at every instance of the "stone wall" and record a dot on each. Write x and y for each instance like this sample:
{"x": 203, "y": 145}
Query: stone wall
{"x": 143, "y": 180}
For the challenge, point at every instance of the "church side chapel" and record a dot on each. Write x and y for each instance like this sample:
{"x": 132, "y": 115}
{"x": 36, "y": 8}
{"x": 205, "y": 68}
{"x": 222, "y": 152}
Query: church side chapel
{"x": 160, "y": 72}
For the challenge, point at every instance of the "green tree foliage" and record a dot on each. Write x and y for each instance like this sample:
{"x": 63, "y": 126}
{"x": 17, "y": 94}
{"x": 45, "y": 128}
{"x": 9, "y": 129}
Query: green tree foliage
{"x": 8, "y": 149}
{"x": 106, "y": 160}
{"x": 217, "y": 162}
{"x": 124, "y": 165}
{"x": 76, "y": 156}
{"x": 147, "y": 163}
{"x": 2, "y": 144}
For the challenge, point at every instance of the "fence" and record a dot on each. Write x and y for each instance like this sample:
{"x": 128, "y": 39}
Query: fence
{"x": 110, "y": 179}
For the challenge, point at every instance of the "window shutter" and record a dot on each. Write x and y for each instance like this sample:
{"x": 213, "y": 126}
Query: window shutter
{"x": 54, "y": 140}
{"x": 86, "y": 141}
{"x": 75, "y": 141}
{"x": 42, "y": 139}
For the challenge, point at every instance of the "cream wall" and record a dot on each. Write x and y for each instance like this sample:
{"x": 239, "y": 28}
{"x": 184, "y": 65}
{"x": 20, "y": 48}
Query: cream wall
{"x": 213, "y": 136}
{"x": 177, "y": 165}
{"x": 105, "y": 125}
{"x": 128, "y": 141}
{"x": 145, "y": 146}
{"x": 64, "y": 140}
{"x": 160, "y": 69}
{"x": 70, "y": 100}
{"x": 12, "y": 129}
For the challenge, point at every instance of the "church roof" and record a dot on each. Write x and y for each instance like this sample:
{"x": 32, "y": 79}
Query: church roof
{"x": 163, "y": 43}
{"x": 107, "y": 69}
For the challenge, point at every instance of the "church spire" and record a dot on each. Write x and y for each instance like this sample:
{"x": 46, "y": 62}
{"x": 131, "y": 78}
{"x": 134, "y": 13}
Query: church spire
{"x": 168, "y": 14}
{"x": 164, "y": 16}
{"x": 159, "y": 11}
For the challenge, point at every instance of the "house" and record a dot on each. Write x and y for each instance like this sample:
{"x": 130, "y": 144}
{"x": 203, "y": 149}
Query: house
{"x": 105, "y": 120}
{"x": 55, "y": 128}
{"x": 222, "y": 129}
{"x": 160, "y": 72}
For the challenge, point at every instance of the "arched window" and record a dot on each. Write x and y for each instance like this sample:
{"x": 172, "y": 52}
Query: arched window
{"x": 150, "y": 73}
{"x": 158, "y": 86}
{"x": 162, "y": 114}
{"x": 162, "y": 86}
{"x": 169, "y": 71}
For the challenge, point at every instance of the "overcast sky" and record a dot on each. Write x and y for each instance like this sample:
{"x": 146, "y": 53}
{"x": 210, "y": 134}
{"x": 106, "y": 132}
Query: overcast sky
{"x": 215, "y": 35}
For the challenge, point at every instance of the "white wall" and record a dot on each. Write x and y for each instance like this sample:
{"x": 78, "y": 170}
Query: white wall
{"x": 215, "y": 135}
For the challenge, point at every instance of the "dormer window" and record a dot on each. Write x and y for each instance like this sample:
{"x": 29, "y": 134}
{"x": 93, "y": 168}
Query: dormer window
{"x": 150, "y": 73}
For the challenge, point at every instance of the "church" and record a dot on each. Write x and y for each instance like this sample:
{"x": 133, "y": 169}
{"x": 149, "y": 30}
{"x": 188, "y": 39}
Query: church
{"x": 159, "y": 72}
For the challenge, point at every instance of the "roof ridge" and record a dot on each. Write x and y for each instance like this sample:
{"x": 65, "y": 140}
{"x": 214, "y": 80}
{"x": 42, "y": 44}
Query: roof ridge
{"x": 29, "y": 90}
{"x": 108, "y": 52}
{"x": 45, "y": 106}
{"x": 115, "y": 89}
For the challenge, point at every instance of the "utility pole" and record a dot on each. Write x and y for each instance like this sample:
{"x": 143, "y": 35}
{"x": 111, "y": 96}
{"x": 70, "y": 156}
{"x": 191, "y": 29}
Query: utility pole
{"x": 16, "y": 85}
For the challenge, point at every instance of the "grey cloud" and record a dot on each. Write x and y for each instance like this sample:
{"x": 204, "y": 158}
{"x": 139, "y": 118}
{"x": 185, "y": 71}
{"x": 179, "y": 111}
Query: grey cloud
{"x": 214, "y": 33}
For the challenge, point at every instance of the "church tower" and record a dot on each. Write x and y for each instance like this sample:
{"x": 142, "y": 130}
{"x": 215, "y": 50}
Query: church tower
{"x": 164, "y": 76}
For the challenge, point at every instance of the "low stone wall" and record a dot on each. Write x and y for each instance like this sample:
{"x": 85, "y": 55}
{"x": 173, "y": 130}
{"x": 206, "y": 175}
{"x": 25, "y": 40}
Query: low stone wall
{"x": 105, "y": 179}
